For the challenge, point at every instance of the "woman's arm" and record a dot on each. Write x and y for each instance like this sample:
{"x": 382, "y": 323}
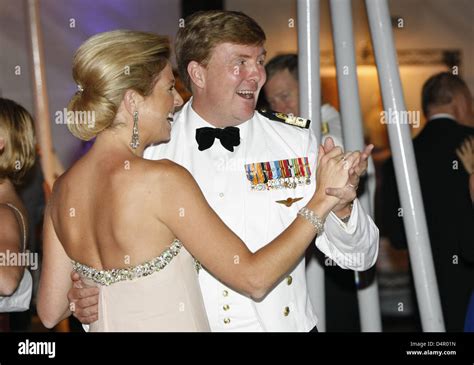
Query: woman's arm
{"x": 186, "y": 212}
{"x": 10, "y": 244}
{"x": 52, "y": 303}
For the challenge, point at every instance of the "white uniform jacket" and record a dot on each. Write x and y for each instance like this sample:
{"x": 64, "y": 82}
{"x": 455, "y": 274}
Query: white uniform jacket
{"x": 233, "y": 185}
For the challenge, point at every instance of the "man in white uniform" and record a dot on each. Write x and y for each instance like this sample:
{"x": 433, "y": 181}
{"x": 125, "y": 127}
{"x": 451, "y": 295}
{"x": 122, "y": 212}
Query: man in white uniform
{"x": 245, "y": 187}
{"x": 255, "y": 172}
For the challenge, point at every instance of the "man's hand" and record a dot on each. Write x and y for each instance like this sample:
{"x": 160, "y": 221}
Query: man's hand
{"x": 348, "y": 193}
{"x": 83, "y": 301}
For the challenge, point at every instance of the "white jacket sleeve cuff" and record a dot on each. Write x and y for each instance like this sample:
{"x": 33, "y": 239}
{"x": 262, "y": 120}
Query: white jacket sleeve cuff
{"x": 353, "y": 245}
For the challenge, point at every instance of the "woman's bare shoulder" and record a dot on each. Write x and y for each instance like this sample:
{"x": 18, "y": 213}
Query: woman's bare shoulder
{"x": 164, "y": 163}
{"x": 56, "y": 189}
{"x": 169, "y": 179}
{"x": 168, "y": 171}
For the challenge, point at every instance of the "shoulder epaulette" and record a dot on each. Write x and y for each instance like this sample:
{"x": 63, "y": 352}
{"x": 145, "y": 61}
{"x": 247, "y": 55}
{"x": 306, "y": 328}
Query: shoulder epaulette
{"x": 286, "y": 118}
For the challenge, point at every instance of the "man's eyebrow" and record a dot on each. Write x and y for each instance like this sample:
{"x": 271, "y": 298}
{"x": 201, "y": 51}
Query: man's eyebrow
{"x": 243, "y": 55}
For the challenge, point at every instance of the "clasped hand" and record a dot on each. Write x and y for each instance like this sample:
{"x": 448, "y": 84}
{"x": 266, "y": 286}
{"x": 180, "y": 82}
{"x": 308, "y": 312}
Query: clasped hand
{"x": 338, "y": 173}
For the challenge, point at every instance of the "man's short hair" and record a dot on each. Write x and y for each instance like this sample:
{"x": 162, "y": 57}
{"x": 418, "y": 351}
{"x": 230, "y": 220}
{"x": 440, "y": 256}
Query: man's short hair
{"x": 440, "y": 89}
{"x": 281, "y": 63}
{"x": 204, "y": 30}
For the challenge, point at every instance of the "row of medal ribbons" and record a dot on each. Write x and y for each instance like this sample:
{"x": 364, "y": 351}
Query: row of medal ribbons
{"x": 279, "y": 174}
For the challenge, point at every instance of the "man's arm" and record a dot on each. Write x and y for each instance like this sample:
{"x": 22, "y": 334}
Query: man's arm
{"x": 352, "y": 245}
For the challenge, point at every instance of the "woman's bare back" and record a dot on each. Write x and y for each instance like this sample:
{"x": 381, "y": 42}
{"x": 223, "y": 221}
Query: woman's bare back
{"x": 103, "y": 214}
{"x": 104, "y": 211}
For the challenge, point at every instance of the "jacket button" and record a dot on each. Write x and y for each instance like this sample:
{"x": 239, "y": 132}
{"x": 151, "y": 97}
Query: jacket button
{"x": 289, "y": 280}
{"x": 226, "y": 307}
{"x": 286, "y": 311}
{"x": 226, "y": 320}
{"x": 225, "y": 293}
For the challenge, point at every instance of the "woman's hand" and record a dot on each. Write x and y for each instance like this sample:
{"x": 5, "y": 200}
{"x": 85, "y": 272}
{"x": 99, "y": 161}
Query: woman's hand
{"x": 465, "y": 153}
{"x": 348, "y": 193}
{"x": 332, "y": 173}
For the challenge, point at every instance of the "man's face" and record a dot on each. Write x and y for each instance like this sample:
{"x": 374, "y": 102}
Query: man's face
{"x": 233, "y": 79}
{"x": 281, "y": 92}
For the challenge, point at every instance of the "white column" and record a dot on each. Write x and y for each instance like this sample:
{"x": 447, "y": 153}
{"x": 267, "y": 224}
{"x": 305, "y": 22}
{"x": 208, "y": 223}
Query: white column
{"x": 405, "y": 167}
{"x": 310, "y": 108}
{"x": 346, "y": 69}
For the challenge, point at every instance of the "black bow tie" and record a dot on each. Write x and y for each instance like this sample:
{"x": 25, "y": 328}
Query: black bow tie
{"x": 229, "y": 137}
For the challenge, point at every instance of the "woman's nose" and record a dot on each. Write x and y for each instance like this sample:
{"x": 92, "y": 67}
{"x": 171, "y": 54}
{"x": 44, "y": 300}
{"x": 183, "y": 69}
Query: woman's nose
{"x": 178, "y": 100}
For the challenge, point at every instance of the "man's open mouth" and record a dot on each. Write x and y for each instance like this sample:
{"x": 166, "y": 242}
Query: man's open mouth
{"x": 246, "y": 94}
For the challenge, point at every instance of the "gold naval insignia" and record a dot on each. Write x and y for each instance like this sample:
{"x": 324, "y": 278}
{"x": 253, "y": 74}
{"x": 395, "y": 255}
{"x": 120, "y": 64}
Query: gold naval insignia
{"x": 288, "y": 202}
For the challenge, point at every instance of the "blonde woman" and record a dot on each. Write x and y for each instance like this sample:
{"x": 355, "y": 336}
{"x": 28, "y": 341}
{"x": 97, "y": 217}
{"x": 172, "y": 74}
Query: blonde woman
{"x": 139, "y": 229}
{"x": 17, "y": 156}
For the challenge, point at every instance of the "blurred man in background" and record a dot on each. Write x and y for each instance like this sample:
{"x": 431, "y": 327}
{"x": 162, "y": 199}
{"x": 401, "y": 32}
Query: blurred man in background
{"x": 282, "y": 94}
{"x": 444, "y": 180}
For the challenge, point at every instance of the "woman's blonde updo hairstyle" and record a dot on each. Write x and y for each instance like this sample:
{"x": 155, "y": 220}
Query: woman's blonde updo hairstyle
{"x": 107, "y": 65}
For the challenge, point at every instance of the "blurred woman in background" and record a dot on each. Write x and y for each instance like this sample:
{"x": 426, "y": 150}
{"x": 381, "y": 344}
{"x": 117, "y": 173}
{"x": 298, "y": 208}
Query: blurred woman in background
{"x": 17, "y": 156}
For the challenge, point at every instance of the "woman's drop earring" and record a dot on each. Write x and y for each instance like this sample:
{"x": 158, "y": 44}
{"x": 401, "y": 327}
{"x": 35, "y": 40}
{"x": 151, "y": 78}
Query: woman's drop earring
{"x": 135, "y": 140}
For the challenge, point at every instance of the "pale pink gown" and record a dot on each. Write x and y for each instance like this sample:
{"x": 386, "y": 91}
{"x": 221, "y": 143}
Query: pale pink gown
{"x": 161, "y": 295}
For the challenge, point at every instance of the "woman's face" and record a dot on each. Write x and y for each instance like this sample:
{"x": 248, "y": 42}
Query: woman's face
{"x": 156, "y": 112}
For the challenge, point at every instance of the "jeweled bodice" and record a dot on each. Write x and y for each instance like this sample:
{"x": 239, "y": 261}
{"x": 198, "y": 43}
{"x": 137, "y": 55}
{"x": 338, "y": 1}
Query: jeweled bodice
{"x": 108, "y": 277}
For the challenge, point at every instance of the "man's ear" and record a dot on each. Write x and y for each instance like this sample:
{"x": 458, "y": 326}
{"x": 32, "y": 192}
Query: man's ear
{"x": 197, "y": 74}
{"x": 131, "y": 100}
{"x": 459, "y": 106}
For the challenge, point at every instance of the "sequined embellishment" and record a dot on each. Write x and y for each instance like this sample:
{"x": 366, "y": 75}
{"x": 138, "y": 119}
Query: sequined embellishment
{"x": 107, "y": 277}
{"x": 197, "y": 265}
